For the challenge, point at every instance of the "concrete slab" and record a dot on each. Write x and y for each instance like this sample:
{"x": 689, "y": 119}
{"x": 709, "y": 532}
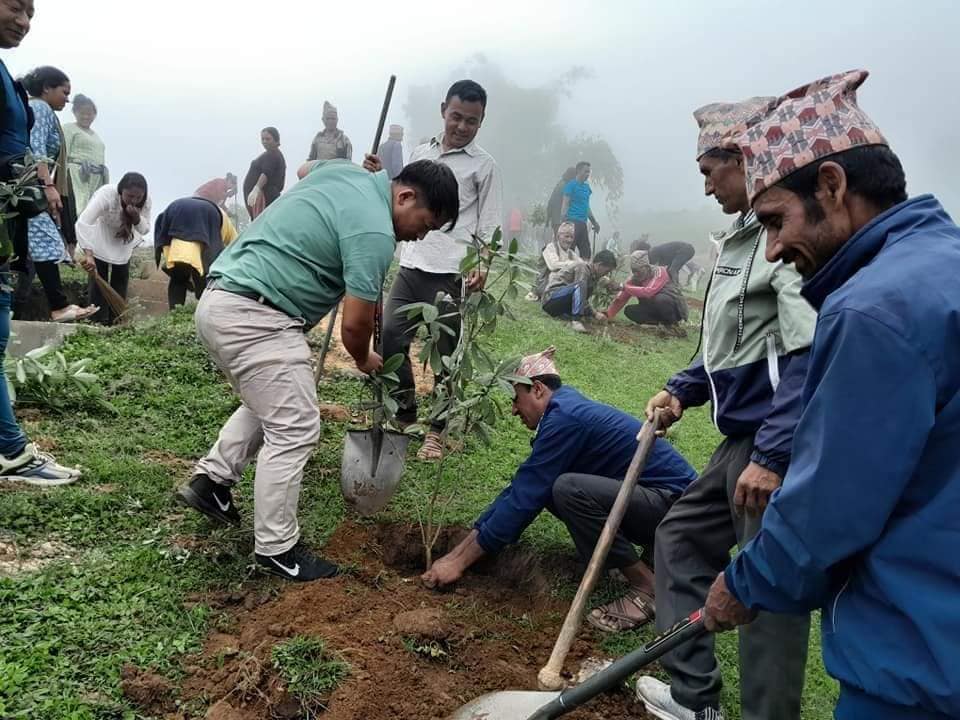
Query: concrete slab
{"x": 33, "y": 334}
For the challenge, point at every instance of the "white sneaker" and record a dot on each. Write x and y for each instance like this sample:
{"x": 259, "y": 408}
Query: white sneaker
{"x": 36, "y": 468}
{"x": 532, "y": 297}
{"x": 577, "y": 326}
{"x": 656, "y": 697}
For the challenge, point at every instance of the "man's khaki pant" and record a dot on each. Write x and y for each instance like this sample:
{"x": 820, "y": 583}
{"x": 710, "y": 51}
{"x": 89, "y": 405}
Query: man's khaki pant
{"x": 265, "y": 356}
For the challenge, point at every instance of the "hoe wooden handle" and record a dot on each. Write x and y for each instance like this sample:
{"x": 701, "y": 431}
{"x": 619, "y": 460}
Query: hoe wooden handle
{"x": 549, "y": 677}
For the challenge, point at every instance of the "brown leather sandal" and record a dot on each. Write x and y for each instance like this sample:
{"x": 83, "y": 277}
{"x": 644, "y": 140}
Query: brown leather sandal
{"x": 616, "y": 616}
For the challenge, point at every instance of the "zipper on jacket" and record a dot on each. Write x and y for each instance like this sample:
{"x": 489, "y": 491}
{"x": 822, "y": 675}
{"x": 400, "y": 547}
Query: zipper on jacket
{"x": 836, "y": 601}
{"x": 773, "y": 366}
{"x": 705, "y": 337}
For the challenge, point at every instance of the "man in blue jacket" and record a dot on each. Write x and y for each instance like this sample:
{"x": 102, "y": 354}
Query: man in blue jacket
{"x": 865, "y": 526}
{"x": 583, "y": 447}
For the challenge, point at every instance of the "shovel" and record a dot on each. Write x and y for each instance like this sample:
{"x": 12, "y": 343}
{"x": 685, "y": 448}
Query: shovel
{"x": 373, "y": 460}
{"x": 549, "y": 677}
{"x": 529, "y": 705}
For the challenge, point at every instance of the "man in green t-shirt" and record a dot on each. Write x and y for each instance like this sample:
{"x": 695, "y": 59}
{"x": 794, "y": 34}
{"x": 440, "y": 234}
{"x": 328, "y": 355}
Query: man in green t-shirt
{"x": 331, "y": 236}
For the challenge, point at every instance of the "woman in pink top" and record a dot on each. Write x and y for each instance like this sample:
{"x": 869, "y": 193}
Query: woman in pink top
{"x": 660, "y": 300}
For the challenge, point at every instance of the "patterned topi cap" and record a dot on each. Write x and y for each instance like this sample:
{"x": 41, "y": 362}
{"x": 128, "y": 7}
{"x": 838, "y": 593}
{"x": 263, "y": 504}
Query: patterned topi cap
{"x": 721, "y": 121}
{"x": 540, "y": 364}
{"x": 816, "y": 120}
{"x": 639, "y": 261}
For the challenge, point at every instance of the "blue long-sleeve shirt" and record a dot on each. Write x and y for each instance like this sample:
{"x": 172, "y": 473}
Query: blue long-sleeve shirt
{"x": 575, "y": 435}
{"x": 866, "y": 523}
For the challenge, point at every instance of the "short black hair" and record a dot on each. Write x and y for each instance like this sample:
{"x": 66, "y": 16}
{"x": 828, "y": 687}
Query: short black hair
{"x": 873, "y": 172}
{"x": 81, "y": 100}
{"x": 134, "y": 180}
{"x": 582, "y": 164}
{"x": 274, "y": 133}
{"x": 437, "y": 187}
{"x": 721, "y": 154}
{"x": 43, "y": 78}
{"x": 605, "y": 257}
{"x": 569, "y": 174}
{"x": 468, "y": 91}
{"x": 551, "y": 381}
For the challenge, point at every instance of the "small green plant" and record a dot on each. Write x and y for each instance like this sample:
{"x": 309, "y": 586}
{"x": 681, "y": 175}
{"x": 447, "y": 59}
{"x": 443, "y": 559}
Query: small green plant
{"x": 464, "y": 396}
{"x": 24, "y": 187}
{"x": 431, "y": 650}
{"x": 309, "y": 671}
{"x": 44, "y": 377}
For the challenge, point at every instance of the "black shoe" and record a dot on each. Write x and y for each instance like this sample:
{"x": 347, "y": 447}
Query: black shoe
{"x": 298, "y": 564}
{"x": 213, "y": 500}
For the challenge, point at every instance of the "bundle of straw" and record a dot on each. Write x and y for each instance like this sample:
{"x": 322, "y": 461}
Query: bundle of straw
{"x": 116, "y": 303}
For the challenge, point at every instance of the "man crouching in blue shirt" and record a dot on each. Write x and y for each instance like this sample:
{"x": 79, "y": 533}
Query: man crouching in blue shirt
{"x": 581, "y": 452}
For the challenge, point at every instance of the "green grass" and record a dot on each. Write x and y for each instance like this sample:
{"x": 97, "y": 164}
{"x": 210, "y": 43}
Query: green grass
{"x": 309, "y": 671}
{"x": 66, "y": 631}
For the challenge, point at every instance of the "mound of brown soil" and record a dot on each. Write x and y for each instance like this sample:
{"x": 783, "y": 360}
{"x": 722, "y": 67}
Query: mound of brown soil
{"x": 146, "y": 689}
{"x": 424, "y": 624}
{"x": 496, "y": 632}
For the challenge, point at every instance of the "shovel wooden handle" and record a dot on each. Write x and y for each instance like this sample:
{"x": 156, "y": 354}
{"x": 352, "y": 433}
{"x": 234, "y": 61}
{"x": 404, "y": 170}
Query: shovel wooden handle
{"x": 549, "y": 677}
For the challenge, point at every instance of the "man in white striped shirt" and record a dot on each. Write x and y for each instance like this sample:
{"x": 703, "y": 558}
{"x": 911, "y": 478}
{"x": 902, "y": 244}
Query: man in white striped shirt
{"x": 434, "y": 265}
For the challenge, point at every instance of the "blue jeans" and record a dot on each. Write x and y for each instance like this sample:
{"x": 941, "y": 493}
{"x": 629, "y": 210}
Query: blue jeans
{"x": 12, "y": 439}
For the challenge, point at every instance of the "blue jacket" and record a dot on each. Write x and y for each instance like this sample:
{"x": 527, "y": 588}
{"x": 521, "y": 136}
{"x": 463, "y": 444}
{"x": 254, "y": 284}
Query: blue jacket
{"x": 867, "y": 523}
{"x": 576, "y": 435}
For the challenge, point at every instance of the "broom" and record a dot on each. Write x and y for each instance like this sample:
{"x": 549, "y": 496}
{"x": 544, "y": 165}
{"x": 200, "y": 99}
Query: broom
{"x": 116, "y": 303}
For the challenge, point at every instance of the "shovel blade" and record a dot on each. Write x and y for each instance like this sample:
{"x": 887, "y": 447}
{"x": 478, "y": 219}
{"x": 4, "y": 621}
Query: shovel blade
{"x": 371, "y": 468}
{"x": 510, "y": 705}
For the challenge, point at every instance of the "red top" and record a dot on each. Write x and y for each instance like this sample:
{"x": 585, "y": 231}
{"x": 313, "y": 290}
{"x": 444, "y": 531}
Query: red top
{"x": 660, "y": 278}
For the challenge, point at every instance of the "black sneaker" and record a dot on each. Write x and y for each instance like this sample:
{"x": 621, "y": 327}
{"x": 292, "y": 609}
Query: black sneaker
{"x": 297, "y": 564}
{"x": 213, "y": 500}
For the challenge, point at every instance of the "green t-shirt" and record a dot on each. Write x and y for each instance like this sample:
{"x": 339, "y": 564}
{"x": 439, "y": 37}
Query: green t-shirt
{"x": 331, "y": 234}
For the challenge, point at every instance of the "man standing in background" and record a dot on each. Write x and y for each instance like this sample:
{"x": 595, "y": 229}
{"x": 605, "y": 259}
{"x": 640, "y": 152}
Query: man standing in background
{"x": 330, "y": 143}
{"x": 576, "y": 207}
{"x": 391, "y": 152}
{"x": 432, "y": 266}
{"x": 555, "y": 203}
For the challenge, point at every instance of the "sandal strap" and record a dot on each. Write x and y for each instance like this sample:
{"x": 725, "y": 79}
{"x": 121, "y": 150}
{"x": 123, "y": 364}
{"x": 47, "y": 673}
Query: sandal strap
{"x": 616, "y": 611}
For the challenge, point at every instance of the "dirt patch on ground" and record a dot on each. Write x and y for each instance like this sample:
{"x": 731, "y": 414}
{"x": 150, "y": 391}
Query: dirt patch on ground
{"x": 630, "y": 334}
{"x": 17, "y": 559}
{"x": 494, "y": 635}
{"x": 178, "y": 465}
{"x": 339, "y": 362}
{"x": 147, "y": 689}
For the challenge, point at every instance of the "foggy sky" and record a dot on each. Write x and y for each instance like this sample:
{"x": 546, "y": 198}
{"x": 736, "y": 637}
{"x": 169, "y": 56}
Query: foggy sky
{"x": 183, "y": 87}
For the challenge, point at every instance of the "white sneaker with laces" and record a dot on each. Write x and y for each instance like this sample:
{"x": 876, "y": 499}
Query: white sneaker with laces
{"x": 36, "y": 468}
{"x": 577, "y": 326}
{"x": 656, "y": 697}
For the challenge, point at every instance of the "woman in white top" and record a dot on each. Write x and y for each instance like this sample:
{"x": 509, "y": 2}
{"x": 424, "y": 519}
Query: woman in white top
{"x": 110, "y": 228}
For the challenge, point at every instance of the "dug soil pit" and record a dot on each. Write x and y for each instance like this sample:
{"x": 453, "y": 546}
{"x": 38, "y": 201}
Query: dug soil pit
{"x": 414, "y": 654}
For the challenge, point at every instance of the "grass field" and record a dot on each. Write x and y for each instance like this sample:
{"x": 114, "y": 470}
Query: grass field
{"x": 116, "y": 594}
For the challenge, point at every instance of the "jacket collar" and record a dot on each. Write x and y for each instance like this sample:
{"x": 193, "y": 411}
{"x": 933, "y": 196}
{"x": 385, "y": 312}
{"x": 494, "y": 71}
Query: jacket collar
{"x": 866, "y": 244}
